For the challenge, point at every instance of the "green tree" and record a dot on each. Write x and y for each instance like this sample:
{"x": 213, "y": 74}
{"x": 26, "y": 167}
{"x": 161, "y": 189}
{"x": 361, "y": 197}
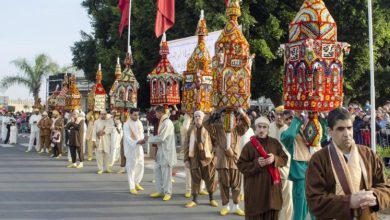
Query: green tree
{"x": 352, "y": 21}
{"x": 265, "y": 25}
{"x": 31, "y": 75}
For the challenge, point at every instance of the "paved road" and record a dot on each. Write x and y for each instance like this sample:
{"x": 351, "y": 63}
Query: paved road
{"x": 35, "y": 186}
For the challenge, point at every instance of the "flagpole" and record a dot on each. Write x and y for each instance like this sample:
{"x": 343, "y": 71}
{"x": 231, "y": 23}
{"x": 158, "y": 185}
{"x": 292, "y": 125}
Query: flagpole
{"x": 372, "y": 77}
{"x": 128, "y": 31}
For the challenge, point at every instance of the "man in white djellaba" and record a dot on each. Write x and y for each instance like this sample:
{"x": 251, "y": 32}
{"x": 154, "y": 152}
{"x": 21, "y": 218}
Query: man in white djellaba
{"x": 101, "y": 137}
{"x": 13, "y": 139}
{"x": 166, "y": 155}
{"x": 3, "y": 127}
{"x": 34, "y": 134}
{"x": 133, "y": 139}
{"x": 116, "y": 136}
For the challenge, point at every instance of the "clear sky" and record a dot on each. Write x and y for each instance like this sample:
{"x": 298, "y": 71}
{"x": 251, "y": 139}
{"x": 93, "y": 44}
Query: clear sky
{"x": 31, "y": 27}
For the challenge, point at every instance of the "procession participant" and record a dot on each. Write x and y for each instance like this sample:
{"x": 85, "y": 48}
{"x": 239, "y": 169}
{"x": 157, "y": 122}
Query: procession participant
{"x": 288, "y": 116}
{"x": 55, "y": 139}
{"x": 3, "y": 126}
{"x": 260, "y": 161}
{"x": 84, "y": 143}
{"x": 122, "y": 158}
{"x": 132, "y": 144}
{"x": 229, "y": 177}
{"x": 300, "y": 153}
{"x": 13, "y": 139}
{"x": 346, "y": 180}
{"x": 183, "y": 133}
{"x": 199, "y": 157}
{"x": 322, "y": 117}
{"x": 75, "y": 126}
{"x": 44, "y": 133}
{"x": 67, "y": 118}
{"x": 165, "y": 156}
{"x": 154, "y": 121}
{"x": 8, "y": 122}
{"x": 276, "y": 129}
{"x": 91, "y": 119}
{"x": 58, "y": 125}
{"x": 117, "y": 136}
{"x": 34, "y": 131}
{"x": 101, "y": 137}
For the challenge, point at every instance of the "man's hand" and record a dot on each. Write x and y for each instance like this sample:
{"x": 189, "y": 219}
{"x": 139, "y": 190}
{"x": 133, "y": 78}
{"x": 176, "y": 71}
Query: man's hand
{"x": 187, "y": 164}
{"x": 370, "y": 200}
{"x": 101, "y": 133}
{"x": 141, "y": 141}
{"x": 270, "y": 159}
{"x": 264, "y": 162}
{"x": 78, "y": 120}
{"x": 362, "y": 199}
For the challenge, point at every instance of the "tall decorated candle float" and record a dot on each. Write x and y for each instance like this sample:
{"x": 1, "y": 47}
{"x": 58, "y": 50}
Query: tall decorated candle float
{"x": 197, "y": 79}
{"x": 164, "y": 80}
{"x": 313, "y": 62}
{"x": 231, "y": 69}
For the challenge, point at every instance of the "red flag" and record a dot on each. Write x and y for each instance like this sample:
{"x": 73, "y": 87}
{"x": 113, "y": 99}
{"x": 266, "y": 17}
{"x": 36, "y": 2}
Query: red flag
{"x": 226, "y": 2}
{"x": 165, "y": 18}
{"x": 124, "y": 6}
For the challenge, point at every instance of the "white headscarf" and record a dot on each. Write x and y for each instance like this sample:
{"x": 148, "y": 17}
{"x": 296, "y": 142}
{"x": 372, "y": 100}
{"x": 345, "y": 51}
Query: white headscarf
{"x": 199, "y": 113}
{"x": 262, "y": 120}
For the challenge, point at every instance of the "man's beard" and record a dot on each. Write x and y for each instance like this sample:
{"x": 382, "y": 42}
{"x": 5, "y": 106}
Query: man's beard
{"x": 262, "y": 135}
{"x": 279, "y": 124}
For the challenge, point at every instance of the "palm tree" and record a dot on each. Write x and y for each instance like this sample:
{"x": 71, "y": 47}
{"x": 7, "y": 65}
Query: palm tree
{"x": 31, "y": 75}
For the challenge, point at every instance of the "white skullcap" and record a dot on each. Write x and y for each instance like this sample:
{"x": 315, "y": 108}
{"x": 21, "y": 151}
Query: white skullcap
{"x": 262, "y": 120}
{"x": 82, "y": 114}
{"x": 44, "y": 113}
{"x": 103, "y": 111}
{"x": 199, "y": 113}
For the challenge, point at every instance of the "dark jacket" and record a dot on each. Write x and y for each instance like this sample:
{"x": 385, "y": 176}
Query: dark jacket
{"x": 76, "y": 132}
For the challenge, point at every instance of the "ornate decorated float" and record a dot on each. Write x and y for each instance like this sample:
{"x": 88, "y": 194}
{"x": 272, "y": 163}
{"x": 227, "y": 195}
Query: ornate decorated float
{"x": 97, "y": 96}
{"x": 313, "y": 61}
{"x": 197, "y": 79}
{"x": 164, "y": 80}
{"x": 231, "y": 68}
{"x": 73, "y": 97}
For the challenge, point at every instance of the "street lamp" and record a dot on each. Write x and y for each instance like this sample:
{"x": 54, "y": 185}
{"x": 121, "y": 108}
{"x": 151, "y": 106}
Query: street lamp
{"x": 372, "y": 77}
